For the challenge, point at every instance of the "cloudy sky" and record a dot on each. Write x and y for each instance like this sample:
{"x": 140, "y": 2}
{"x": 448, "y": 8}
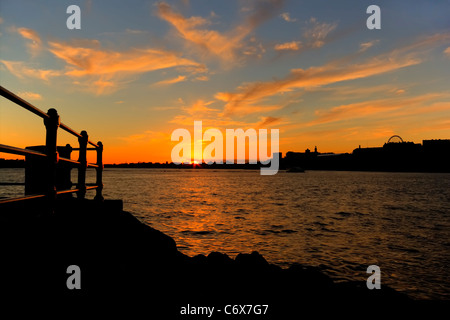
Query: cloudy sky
{"x": 137, "y": 70}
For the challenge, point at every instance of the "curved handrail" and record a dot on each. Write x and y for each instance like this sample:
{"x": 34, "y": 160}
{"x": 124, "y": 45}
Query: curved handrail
{"x": 52, "y": 123}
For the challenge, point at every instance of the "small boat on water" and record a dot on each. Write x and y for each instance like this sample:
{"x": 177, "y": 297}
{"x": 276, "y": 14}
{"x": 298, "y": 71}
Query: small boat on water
{"x": 295, "y": 169}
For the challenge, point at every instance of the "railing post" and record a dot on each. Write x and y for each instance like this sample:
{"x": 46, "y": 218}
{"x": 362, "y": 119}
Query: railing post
{"x": 81, "y": 186}
{"x": 99, "y": 182}
{"x": 51, "y": 124}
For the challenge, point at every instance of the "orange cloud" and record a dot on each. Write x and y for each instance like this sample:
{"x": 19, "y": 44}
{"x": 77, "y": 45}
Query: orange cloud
{"x": 35, "y": 44}
{"x": 170, "y": 81}
{"x": 287, "y": 17}
{"x": 346, "y": 91}
{"x": 202, "y": 78}
{"x": 102, "y": 71}
{"x": 293, "y": 46}
{"x": 439, "y": 125}
{"x": 395, "y": 107}
{"x": 366, "y": 45}
{"x": 200, "y": 109}
{"x": 104, "y": 68}
{"x": 21, "y": 70}
{"x": 447, "y": 52}
{"x": 424, "y": 105}
{"x": 315, "y": 35}
{"x": 314, "y": 76}
{"x": 84, "y": 61}
{"x": 222, "y": 45}
{"x": 104, "y": 87}
{"x": 268, "y": 121}
{"x": 333, "y": 72}
{"x": 27, "y": 95}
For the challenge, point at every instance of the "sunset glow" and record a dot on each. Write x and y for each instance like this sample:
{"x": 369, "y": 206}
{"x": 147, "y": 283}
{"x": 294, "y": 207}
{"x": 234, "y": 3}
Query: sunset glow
{"x": 133, "y": 74}
{"x": 212, "y": 159}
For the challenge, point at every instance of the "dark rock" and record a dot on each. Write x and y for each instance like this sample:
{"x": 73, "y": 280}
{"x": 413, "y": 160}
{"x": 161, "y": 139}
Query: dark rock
{"x": 121, "y": 257}
{"x": 310, "y": 277}
{"x": 199, "y": 259}
{"x": 219, "y": 261}
{"x": 253, "y": 261}
{"x": 357, "y": 291}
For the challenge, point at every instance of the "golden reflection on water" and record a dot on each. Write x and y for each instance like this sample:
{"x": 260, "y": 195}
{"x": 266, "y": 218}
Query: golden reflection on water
{"x": 340, "y": 221}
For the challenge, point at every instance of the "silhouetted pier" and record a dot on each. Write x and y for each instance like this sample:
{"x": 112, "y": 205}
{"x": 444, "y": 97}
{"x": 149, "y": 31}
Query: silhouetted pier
{"x": 48, "y": 167}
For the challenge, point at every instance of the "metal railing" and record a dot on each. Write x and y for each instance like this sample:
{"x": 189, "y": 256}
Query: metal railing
{"x": 52, "y": 123}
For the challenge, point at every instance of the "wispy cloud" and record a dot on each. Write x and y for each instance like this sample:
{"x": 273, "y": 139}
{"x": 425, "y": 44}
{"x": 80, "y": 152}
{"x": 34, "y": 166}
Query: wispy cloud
{"x": 315, "y": 35}
{"x": 447, "y": 52}
{"x": 332, "y": 72}
{"x": 287, "y": 17}
{"x": 34, "y": 44}
{"x": 254, "y": 48}
{"x": 170, "y": 81}
{"x": 102, "y": 86}
{"x": 135, "y": 31}
{"x": 288, "y": 46}
{"x": 268, "y": 121}
{"x": 224, "y": 45}
{"x": 200, "y": 108}
{"x": 211, "y": 117}
{"x": 316, "y": 32}
{"x": 202, "y": 78}
{"x": 441, "y": 124}
{"x": 395, "y": 106}
{"x": 102, "y": 71}
{"x": 366, "y": 45}
{"x": 23, "y": 70}
{"x": 28, "y": 95}
{"x": 345, "y": 92}
{"x": 105, "y": 68}
{"x": 194, "y": 31}
{"x": 314, "y": 76}
{"x": 85, "y": 60}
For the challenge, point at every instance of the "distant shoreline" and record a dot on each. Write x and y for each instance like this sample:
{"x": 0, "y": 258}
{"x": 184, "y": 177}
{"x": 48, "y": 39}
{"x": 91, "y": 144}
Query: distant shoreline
{"x": 19, "y": 163}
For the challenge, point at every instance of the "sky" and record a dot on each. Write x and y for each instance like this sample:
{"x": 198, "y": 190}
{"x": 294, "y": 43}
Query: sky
{"x": 138, "y": 70}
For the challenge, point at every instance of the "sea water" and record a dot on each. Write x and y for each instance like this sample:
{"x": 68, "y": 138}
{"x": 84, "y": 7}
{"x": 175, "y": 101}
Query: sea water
{"x": 341, "y": 222}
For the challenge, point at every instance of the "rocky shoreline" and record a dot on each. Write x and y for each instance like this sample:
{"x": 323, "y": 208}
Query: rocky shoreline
{"x": 121, "y": 258}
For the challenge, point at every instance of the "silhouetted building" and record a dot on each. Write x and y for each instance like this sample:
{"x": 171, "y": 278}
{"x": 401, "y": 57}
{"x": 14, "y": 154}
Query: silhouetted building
{"x": 300, "y": 159}
{"x": 437, "y": 147}
{"x": 437, "y": 155}
{"x": 394, "y": 155}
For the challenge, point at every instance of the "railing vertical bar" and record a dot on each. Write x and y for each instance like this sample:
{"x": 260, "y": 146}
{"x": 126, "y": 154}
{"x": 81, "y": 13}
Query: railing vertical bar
{"x": 81, "y": 186}
{"x": 99, "y": 169}
{"x": 51, "y": 125}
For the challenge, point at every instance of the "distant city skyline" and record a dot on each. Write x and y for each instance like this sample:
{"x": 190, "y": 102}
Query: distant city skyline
{"x": 138, "y": 70}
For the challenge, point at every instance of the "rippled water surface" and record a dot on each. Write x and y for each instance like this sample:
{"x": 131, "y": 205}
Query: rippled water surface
{"x": 339, "y": 221}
